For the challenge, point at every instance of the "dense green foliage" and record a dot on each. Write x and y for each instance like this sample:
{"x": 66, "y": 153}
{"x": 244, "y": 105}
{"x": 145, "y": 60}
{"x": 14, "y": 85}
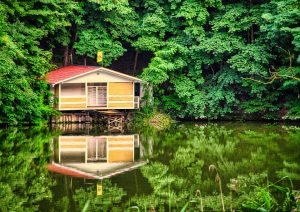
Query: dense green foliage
{"x": 22, "y": 27}
{"x": 216, "y": 59}
{"x": 211, "y": 59}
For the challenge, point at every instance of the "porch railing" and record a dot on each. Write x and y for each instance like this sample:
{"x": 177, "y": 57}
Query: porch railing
{"x": 136, "y": 102}
{"x": 80, "y": 102}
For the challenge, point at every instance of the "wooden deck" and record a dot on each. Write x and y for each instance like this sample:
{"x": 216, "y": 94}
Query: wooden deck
{"x": 114, "y": 120}
{"x": 111, "y": 112}
{"x": 80, "y": 117}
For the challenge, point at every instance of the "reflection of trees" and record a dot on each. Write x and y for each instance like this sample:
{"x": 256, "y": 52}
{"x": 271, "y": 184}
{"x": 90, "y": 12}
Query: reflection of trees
{"x": 24, "y": 179}
{"x": 246, "y": 158}
{"x": 238, "y": 151}
{"x": 110, "y": 200}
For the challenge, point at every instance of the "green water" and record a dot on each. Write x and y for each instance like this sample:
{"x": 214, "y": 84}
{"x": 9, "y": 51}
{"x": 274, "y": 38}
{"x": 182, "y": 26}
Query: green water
{"x": 247, "y": 156}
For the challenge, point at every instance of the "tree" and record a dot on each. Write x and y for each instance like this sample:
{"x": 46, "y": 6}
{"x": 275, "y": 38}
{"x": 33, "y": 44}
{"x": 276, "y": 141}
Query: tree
{"x": 234, "y": 57}
{"x": 24, "y": 25}
{"x": 105, "y": 25}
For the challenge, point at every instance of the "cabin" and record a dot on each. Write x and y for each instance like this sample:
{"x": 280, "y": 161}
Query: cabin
{"x": 93, "y": 88}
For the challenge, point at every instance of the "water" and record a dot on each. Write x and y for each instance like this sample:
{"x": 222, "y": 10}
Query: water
{"x": 164, "y": 170}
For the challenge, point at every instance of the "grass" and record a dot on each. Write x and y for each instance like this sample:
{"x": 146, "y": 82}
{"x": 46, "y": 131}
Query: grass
{"x": 153, "y": 118}
{"x": 213, "y": 168}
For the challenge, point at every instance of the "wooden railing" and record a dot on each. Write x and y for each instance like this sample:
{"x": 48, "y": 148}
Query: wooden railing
{"x": 114, "y": 101}
{"x": 136, "y": 102}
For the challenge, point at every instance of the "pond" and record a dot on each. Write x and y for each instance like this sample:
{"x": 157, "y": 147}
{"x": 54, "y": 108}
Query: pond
{"x": 187, "y": 167}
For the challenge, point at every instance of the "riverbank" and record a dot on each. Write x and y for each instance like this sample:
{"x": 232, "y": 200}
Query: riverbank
{"x": 154, "y": 119}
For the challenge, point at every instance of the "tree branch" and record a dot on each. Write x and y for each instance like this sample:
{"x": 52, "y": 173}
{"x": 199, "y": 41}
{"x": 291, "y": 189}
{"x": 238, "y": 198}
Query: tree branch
{"x": 272, "y": 78}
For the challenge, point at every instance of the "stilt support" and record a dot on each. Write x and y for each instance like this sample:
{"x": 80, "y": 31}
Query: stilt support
{"x": 115, "y": 120}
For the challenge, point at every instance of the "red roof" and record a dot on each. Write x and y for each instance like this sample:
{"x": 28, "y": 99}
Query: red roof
{"x": 70, "y": 172}
{"x": 67, "y": 72}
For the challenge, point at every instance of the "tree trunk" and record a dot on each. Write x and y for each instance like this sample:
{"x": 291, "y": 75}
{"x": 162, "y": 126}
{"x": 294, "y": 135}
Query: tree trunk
{"x": 252, "y": 30}
{"x": 135, "y": 62}
{"x": 71, "y": 58}
{"x": 248, "y": 36}
{"x": 69, "y": 49}
{"x": 66, "y": 56}
{"x": 252, "y": 34}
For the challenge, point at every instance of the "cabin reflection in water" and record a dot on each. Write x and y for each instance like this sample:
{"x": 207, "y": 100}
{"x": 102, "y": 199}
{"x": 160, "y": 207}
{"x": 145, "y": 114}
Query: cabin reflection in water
{"x": 99, "y": 148}
{"x": 98, "y": 155}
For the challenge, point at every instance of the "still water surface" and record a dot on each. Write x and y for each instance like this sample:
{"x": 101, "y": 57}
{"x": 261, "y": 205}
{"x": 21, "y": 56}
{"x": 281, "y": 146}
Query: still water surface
{"x": 67, "y": 168}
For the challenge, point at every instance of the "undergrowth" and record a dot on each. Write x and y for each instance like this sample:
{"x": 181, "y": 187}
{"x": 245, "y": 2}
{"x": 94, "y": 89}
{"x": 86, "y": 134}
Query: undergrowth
{"x": 151, "y": 117}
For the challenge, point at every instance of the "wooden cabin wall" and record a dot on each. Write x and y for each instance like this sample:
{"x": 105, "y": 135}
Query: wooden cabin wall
{"x": 121, "y": 95}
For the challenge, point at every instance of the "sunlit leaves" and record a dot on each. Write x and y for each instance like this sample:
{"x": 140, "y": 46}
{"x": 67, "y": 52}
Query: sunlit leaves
{"x": 156, "y": 75}
{"x": 184, "y": 87}
{"x": 211, "y": 58}
{"x": 153, "y": 23}
{"x": 195, "y": 15}
{"x": 220, "y": 43}
{"x": 236, "y": 18}
{"x": 165, "y": 62}
{"x": 148, "y": 43}
{"x": 252, "y": 59}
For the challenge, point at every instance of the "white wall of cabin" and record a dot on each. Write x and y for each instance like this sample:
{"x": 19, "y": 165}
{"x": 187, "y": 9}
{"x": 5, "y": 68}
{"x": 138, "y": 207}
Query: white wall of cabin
{"x": 74, "y": 89}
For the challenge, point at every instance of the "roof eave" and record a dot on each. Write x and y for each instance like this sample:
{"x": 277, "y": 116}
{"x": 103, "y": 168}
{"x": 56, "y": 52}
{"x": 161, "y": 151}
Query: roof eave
{"x": 135, "y": 79}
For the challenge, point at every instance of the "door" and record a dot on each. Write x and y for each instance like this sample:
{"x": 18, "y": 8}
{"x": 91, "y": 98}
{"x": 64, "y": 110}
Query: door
{"x": 102, "y": 95}
{"x": 96, "y": 149}
{"x": 92, "y": 100}
{"x": 97, "y": 95}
